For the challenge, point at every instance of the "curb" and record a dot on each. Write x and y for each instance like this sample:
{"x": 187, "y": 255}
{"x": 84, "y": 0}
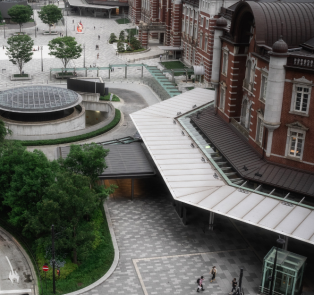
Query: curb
{"x": 115, "y": 260}
{"x": 29, "y": 262}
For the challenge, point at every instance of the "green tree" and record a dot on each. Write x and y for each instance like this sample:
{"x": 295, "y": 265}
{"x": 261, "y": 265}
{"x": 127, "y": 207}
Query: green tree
{"x": 88, "y": 160}
{"x": 10, "y": 157}
{"x": 136, "y": 44}
{"x": 112, "y": 38}
{"x": 49, "y": 15}
{"x": 68, "y": 203}
{"x": 32, "y": 176}
{"x": 20, "y": 14}
{"x": 65, "y": 48}
{"x": 20, "y": 50}
{"x": 120, "y": 46}
{"x": 122, "y": 35}
{"x": 4, "y": 131}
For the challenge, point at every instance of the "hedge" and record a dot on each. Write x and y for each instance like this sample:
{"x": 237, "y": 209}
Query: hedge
{"x": 102, "y": 130}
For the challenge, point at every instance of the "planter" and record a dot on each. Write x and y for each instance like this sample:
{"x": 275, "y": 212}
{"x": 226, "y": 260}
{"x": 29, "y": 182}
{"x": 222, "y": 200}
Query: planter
{"x": 18, "y": 77}
{"x": 131, "y": 53}
{"x": 52, "y": 33}
{"x": 19, "y": 33}
{"x": 65, "y": 75}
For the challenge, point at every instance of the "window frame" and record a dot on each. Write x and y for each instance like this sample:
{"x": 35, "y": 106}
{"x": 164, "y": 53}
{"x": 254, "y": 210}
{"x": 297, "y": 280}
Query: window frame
{"x": 263, "y": 90}
{"x": 289, "y": 142}
{"x": 294, "y": 99}
{"x": 222, "y": 98}
{"x": 259, "y": 130}
{"x": 206, "y": 44}
{"x": 225, "y": 59}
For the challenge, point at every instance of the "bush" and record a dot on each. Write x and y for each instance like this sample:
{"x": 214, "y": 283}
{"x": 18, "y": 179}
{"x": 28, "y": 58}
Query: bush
{"x": 122, "y": 36}
{"x": 136, "y": 44}
{"x": 112, "y": 38}
{"x": 107, "y": 97}
{"x": 102, "y": 130}
{"x": 120, "y": 46}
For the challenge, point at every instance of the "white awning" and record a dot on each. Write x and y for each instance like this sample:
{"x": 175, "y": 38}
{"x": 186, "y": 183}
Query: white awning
{"x": 170, "y": 48}
{"x": 80, "y": 3}
{"x": 192, "y": 181}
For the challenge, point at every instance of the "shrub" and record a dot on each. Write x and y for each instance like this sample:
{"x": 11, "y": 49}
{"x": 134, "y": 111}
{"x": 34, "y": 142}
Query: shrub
{"x": 122, "y": 36}
{"x": 112, "y": 38}
{"x": 120, "y": 46}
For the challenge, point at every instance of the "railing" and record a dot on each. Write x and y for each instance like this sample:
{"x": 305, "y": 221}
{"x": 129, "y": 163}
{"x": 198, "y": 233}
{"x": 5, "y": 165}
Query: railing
{"x": 240, "y": 127}
{"x": 265, "y": 291}
{"x": 300, "y": 61}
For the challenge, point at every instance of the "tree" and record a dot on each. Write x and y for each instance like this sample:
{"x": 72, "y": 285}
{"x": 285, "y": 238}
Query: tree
{"x": 65, "y": 48}
{"x": 1, "y": 18}
{"x": 32, "y": 176}
{"x": 136, "y": 44}
{"x": 20, "y": 50}
{"x": 88, "y": 160}
{"x": 49, "y": 15}
{"x": 112, "y": 38}
{"x": 120, "y": 46}
{"x": 122, "y": 35}
{"x": 20, "y": 14}
{"x": 4, "y": 131}
{"x": 67, "y": 203}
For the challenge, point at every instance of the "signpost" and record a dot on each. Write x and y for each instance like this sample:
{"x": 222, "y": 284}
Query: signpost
{"x": 45, "y": 269}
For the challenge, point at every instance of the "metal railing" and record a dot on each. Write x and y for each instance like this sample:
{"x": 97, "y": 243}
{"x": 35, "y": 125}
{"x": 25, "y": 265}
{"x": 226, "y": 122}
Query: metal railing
{"x": 265, "y": 291}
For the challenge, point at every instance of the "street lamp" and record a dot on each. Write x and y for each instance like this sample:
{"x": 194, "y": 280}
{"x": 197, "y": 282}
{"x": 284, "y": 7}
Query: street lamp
{"x": 271, "y": 278}
{"x": 42, "y": 63}
{"x": 53, "y": 260}
{"x": 4, "y": 28}
{"x": 84, "y": 55}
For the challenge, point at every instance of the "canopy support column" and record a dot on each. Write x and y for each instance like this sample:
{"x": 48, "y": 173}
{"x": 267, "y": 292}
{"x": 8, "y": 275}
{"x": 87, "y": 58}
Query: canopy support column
{"x": 142, "y": 71}
{"x": 132, "y": 188}
{"x": 211, "y": 220}
{"x": 109, "y": 13}
{"x": 126, "y": 71}
{"x": 109, "y": 71}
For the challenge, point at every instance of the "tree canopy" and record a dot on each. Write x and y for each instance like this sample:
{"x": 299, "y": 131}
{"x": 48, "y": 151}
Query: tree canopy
{"x": 20, "y": 50}
{"x": 49, "y": 15}
{"x": 4, "y": 131}
{"x": 65, "y": 48}
{"x": 20, "y": 14}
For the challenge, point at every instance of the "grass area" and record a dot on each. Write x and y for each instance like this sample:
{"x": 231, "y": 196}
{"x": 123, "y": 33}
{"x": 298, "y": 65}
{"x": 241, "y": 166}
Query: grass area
{"x": 170, "y": 65}
{"x": 107, "y": 97}
{"x": 102, "y": 130}
{"x": 190, "y": 88}
{"x": 98, "y": 262}
{"x": 137, "y": 50}
{"x": 20, "y": 75}
{"x": 133, "y": 30}
{"x": 122, "y": 21}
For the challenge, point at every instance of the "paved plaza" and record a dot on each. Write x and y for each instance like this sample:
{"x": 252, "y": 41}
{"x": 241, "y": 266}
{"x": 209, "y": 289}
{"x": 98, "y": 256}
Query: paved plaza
{"x": 160, "y": 255}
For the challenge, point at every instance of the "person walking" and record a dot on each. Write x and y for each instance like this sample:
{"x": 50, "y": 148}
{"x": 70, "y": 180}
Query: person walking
{"x": 160, "y": 57}
{"x": 213, "y": 272}
{"x": 97, "y": 55}
{"x": 98, "y": 37}
{"x": 200, "y": 284}
{"x": 234, "y": 285}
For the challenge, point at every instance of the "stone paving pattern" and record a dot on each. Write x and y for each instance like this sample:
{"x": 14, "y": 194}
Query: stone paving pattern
{"x": 170, "y": 256}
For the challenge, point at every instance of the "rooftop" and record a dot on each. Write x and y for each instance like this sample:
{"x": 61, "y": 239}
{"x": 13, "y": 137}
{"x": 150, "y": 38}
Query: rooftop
{"x": 38, "y": 99}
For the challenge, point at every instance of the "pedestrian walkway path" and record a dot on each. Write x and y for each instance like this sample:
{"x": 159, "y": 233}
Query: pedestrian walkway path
{"x": 159, "y": 255}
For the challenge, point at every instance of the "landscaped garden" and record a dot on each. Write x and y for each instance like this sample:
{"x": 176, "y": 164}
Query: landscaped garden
{"x": 174, "y": 65}
{"x": 36, "y": 193}
{"x": 126, "y": 44}
{"x": 107, "y": 97}
{"x": 122, "y": 21}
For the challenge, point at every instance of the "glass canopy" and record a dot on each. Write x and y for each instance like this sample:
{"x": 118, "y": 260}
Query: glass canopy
{"x": 288, "y": 274}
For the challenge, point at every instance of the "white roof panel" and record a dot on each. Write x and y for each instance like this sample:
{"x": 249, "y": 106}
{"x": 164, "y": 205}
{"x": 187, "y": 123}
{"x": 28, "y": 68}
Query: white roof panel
{"x": 191, "y": 181}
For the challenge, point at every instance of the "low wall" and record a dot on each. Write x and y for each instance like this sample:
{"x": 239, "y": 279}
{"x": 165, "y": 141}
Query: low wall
{"x": 111, "y": 115}
{"x": 39, "y": 129}
{"x": 102, "y": 106}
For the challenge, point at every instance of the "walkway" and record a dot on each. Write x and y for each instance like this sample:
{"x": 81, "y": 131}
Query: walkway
{"x": 159, "y": 255}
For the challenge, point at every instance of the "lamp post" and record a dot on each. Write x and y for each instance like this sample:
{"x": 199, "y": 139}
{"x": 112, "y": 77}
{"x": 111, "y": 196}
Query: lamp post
{"x": 42, "y": 62}
{"x": 271, "y": 278}
{"x": 4, "y": 29}
{"x": 53, "y": 260}
{"x": 84, "y": 55}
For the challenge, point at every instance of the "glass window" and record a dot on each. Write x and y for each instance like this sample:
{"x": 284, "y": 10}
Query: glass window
{"x": 296, "y": 144}
{"x": 263, "y": 87}
{"x": 201, "y": 41}
{"x": 222, "y": 98}
{"x": 196, "y": 15}
{"x": 301, "y": 99}
{"x": 191, "y": 30}
{"x": 202, "y": 20}
{"x": 207, "y": 23}
{"x": 205, "y": 45}
{"x": 225, "y": 63}
{"x": 259, "y": 130}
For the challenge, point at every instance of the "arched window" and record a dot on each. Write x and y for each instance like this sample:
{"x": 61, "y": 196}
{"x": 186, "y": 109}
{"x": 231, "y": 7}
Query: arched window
{"x": 243, "y": 112}
{"x": 248, "y": 71}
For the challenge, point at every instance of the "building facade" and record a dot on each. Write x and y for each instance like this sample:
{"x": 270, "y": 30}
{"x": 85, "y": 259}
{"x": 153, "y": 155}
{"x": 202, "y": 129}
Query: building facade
{"x": 264, "y": 75}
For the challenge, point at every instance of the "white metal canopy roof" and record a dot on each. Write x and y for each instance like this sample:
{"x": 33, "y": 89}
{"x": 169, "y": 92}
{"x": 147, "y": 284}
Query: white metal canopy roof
{"x": 192, "y": 181}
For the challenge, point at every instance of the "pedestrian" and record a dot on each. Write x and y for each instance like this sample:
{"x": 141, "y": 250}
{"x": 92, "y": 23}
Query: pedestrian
{"x": 97, "y": 55}
{"x": 213, "y": 272}
{"x": 90, "y": 66}
{"x": 200, "y": 284}
{"x": 98, "y": 37}
{"x": 60, "y": 34}
{"x": 234, "y": 284}
{"x": 160, "y": 57}
{"x": 94, "y": 28}
{"x": 38, "y": 48}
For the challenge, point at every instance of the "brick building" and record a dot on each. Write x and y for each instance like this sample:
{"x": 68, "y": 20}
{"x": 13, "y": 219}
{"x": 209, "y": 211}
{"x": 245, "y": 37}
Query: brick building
{"x": 263, "y": 72}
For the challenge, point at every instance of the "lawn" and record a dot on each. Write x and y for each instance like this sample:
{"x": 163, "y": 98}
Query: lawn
{"x": 133, "y": 30}
{"x": 122, "y": 21}
{"x": 107, "y": 97}
{"x": 171, "y": 65}
{"x": 20, "y": 75}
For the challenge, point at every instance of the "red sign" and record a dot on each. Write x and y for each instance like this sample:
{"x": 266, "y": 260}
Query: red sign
{"x": 45, "y": 268}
